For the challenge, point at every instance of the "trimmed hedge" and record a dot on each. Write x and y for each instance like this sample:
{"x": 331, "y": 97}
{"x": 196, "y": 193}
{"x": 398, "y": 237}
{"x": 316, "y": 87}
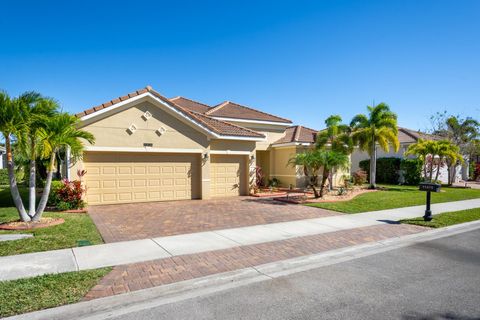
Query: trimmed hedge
{"x": 4, "y": 177}
{"x": 412, "y": 171}
{"x": 388, "y": 170}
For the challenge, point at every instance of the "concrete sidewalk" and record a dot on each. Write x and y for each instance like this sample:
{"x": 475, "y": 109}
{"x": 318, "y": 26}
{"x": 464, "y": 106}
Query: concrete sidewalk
{"x": 119, "y": 253}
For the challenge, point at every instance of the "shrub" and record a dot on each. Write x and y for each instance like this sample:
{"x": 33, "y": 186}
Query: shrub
{"x": 4, "y": 177}
{"x": 274, "y": 183}
{"x": 359, "y": 177}
{"x": 387, "y": 169}
{"x": 66, "y": 195}
{"x": 477, "y": 172}
{"x": 412, "y": 171}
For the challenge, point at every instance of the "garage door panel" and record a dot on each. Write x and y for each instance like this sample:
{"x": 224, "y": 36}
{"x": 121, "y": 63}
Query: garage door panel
{"x": 227, "y": 175}
{"x": 117, "y": 178}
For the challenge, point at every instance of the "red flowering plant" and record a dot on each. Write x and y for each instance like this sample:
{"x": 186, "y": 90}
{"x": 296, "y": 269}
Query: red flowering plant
{"x": 67, "y": 195}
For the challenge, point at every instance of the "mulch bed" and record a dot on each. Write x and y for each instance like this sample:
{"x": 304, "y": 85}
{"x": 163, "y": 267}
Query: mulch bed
{"x": 327, "y": 198}
{"x": 43, "y": 223}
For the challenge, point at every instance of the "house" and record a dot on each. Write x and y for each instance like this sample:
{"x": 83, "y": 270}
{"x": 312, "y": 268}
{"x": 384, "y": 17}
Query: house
{"x": 150, "y": 148}
{"x": 3, "y": 158}
{"x": 406, "y": 137}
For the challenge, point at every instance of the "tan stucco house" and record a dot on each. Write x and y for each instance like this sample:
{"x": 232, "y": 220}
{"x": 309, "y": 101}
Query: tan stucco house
{"x": 150, "y": 148}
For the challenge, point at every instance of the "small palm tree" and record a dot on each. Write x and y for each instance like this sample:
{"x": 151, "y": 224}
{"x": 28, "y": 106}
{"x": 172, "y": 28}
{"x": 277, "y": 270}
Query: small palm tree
{"x": 336, "y": 137}
{"x": 330, "y": 160}
{"x": 60, "y": 132}
{"x": 434, "y": 154}
{"x": 11, "y": 125}
{"x": 311, "y": 162}
{"x": 379, "y": 127}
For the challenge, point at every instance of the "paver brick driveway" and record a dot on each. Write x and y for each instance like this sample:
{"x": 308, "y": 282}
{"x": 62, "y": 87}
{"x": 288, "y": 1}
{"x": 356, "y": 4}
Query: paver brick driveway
{"x": 154, "y": 219}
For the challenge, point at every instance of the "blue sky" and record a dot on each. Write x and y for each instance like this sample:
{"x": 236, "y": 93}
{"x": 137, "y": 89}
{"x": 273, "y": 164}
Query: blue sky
{"x": 303, "y": 60}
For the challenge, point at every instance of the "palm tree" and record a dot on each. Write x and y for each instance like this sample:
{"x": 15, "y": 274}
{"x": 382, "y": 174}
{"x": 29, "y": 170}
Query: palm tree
{"x": 434, "y": 154}
{"x": 379, "y": 127}
{"x": 312, "y": 161}
{"x": 37, "y": 110}
{"x": 330, "y": 160}
{"x": 336, "y": 137}
{"x": 60, "y": 132}
{"x": 11, "y": 124}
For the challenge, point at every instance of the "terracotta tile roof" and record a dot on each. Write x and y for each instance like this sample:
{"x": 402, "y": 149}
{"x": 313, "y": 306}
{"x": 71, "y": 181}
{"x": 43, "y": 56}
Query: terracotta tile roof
{"x": 410, "y": 136}
{"x": 230, "y": 109}
{"x": 191, "y": 105}
{"x": 298, "y": 134}
{"x": 217, "y": 126}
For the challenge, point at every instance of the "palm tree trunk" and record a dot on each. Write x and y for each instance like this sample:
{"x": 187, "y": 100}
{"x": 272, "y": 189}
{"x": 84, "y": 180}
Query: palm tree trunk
{"x": 373, "y": 166}
{"x": 17, "y": 199}
{"x": 325, "y": 175}
{"x": 46, "y": 190}
{"x": 438, "y": 171}
{"x": 32, "y": 188}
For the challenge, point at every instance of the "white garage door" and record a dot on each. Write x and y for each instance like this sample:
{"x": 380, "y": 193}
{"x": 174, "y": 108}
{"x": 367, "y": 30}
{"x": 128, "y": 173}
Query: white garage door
{"x": 227, "y": 176}
{"x": 135, "y": 177}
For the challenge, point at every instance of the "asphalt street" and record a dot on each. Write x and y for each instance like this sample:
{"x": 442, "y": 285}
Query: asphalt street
{"x": 438, "y": 279}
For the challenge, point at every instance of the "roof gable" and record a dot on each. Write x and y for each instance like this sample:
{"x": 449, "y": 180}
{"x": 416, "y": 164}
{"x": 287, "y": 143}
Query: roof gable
{"x": 234, "y": 110}
{"x": 218, "y": 128}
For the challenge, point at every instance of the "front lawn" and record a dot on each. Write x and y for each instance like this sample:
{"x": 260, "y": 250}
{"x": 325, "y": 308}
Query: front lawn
{"x": 48, "y": 291}
{"x": 447, "y": 218}
{"x": 396, "y": 197}
{"x": 76, "y": 227}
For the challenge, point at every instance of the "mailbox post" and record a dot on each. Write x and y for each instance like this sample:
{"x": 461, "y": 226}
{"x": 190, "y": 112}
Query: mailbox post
{"x": 429, "y": 188}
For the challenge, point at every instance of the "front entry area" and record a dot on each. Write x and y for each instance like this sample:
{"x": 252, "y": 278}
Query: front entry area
{"x": 138, "y": 177}
{"x": 228, "y": 176}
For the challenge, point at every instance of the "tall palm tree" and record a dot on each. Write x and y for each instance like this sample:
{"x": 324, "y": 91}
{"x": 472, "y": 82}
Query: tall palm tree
{"x": 330, "y": 160}
{"x": 379, "y": 127}
{"x": 60, "y": 132}
{"x": 37, "y": 110}
{"x": 12, "y": 124}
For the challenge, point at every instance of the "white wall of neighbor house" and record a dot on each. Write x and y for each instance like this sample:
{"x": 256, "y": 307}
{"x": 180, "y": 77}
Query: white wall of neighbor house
{"x": 3, "y": 159}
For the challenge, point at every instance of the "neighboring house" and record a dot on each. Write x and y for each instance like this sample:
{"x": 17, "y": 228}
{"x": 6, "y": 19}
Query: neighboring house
{"x": 406, "y": 137}
{"x": 3, "y": 158}
{"x": 150, "y": 148}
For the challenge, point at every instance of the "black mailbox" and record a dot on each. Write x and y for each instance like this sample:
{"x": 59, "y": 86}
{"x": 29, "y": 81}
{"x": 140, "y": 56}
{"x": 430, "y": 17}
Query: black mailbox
{"x": 432, "y": 187}
{"x": 429, "y": 187}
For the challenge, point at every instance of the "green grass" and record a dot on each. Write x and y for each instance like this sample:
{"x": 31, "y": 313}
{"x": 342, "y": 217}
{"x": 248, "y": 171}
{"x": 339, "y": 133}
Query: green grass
{"x": 48, "y": 291}
{"x": 447, "y": 218}
{"x": 76, "y": 227}
{"x": 396, "y": 197}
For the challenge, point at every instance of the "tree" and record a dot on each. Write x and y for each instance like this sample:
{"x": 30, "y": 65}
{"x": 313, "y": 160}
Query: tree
{"x": 12, "y": 124}
{"x": 312, "y": 161}
{"x": 36, "y": 110}
{"x": 336, "y": 137}
{"x": 462, "y": 132}
{"x": 434, "y": 155}
{"x": 59, "y": 132}
{"x": 379, "y": 127}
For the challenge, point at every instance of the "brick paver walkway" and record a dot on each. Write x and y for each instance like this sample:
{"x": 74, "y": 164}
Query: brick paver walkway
{"x": 149, "y": 220}
{"x": 144, "y": 275}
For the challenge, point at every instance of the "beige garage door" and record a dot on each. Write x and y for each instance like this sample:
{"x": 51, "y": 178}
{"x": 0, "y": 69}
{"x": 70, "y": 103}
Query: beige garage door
{"x": 227, "y": 176}
{"x": 134, "y": 177}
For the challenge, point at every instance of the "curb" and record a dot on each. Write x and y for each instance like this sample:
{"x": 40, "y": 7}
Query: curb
{"x": 153, "y": 297}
